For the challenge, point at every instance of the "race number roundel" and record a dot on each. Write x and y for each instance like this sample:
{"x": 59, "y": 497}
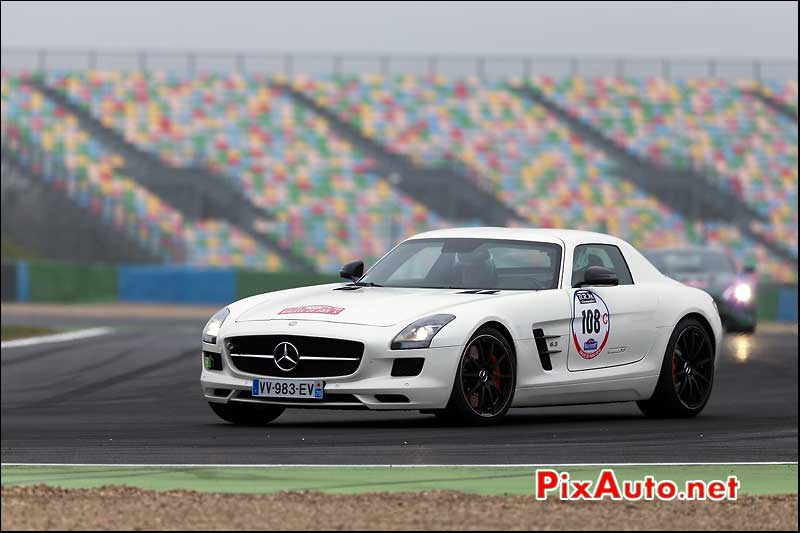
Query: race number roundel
{"x": 591, "y": 323}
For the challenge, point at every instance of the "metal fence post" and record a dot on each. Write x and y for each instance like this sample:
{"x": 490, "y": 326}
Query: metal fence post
{"x": 757, "y": 74}
{"x": 288, "y": 64}
{"x": 432, "y": 65}
{"x": 480, "y": 66}
{"x": 41, "y": 60}
{"x": 573, "y": 66}
{"x": 527, "y": 67}
{"x": 191, "y": 64}
{"x": 385, "y": 68}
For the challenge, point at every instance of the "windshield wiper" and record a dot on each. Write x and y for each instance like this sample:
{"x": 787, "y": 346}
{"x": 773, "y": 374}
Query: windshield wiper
{"x": 366, "y": 284}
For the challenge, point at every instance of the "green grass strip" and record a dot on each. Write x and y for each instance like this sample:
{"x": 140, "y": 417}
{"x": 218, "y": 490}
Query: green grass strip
{"x": 754, "y": 479}
{"x": 9, "y": 332}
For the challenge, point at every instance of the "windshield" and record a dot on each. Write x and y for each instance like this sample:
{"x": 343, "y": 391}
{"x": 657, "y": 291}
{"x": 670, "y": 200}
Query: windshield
{"x": 469, "y": 264}
{"x": 691, "y": 262}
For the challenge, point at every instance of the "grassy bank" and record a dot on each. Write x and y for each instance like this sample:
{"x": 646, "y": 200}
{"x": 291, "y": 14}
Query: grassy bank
{"x": 8, "y": 333}
{"x": 754, "y": 479}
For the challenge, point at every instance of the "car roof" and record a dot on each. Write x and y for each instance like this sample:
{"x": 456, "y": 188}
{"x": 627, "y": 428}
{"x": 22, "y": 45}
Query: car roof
{"x": 566, "y": 236}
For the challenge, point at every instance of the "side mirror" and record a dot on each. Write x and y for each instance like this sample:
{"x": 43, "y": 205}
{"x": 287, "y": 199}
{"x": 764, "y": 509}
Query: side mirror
{"x": 597, "y": 275}
{"x": 352, "y": 271}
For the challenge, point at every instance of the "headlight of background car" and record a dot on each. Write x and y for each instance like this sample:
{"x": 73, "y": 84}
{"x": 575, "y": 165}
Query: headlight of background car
{"x": 420, "y": 333}
{"x": 741, "y": 292}
{"x": 211, "y": 330}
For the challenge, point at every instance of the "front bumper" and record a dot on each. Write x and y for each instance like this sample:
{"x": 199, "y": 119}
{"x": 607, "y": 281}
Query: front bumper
{"x": 371, "y": 386}
{"x": 735, "y": 315}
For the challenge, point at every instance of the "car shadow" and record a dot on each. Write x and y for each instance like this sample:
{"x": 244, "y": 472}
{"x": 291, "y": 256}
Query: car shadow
{"x": 425, "y": 421}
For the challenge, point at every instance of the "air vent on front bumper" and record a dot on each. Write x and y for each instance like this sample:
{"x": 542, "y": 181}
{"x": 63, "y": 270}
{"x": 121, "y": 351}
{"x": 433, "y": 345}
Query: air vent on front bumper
{"x": 328, "y": 398}
{"x": 212, "y": 361}
{"x": 407, "y": 366}
{"x": 391, "y": 398}
{"x": 318, "y": 357}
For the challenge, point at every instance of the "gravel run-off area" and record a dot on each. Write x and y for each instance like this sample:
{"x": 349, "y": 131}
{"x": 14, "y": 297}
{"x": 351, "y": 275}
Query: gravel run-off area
{"x": 42, "y": 507}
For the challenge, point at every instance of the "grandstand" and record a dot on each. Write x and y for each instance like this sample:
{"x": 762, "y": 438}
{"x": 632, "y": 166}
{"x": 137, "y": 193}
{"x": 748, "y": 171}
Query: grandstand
{"x": 311, "y": 170}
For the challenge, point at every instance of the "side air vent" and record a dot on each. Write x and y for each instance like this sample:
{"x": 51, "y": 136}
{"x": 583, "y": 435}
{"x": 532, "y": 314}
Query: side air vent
{"x": 543, "y": 346}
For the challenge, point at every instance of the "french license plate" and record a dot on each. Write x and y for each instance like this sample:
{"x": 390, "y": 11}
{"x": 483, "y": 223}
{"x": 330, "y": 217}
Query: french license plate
{"x": 287, "y": 388}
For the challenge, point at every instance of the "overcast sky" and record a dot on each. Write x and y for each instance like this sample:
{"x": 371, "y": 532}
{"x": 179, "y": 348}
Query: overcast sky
{"x": 721, "y": 29}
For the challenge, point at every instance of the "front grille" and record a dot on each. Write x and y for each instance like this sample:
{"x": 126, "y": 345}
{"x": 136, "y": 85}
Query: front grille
{"x": 319, "y": 357}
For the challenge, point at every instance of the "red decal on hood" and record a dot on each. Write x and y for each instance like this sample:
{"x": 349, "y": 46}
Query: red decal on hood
{"x": 318, "y": 309}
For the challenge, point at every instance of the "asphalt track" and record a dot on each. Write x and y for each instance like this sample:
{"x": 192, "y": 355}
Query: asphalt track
{"x": 133, "y": 397}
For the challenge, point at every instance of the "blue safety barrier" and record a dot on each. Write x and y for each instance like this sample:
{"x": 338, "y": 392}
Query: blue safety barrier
{"x": 177, "y": 284}
{"x": 787, "y": 304}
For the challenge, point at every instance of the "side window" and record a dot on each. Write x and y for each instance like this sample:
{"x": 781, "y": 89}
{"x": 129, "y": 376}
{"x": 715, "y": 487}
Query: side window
{"x": 604, "y": 255}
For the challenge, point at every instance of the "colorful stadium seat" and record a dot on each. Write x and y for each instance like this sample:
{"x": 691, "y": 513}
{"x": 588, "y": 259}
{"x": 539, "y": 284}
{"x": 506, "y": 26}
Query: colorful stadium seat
{"x": 531, "y": 159}
{"x": 330, "y": 204}
{"x": 90, "y": 175}
{"x": 709, "y": 125}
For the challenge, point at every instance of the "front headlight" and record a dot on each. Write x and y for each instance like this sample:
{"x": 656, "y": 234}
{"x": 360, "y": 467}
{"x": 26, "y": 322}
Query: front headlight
{"x": 211, "y": 330}
{"x": 420, "y": 333}
{"x": 743, "y": 293}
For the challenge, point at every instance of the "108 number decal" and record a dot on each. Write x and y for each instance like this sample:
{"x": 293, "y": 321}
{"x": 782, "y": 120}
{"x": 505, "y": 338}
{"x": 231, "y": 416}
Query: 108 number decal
{"x": 591, "y": 321}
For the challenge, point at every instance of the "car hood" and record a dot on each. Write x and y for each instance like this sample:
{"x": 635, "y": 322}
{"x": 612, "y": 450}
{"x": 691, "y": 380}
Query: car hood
{"x": 371, "y": 306}
{"x": 712, "y": 283}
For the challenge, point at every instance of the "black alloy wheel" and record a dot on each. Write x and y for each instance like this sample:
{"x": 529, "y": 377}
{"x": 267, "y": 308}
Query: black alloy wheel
{"x": 485, "y": 381}
{"x": 687, "y": 373}
{"x": 692, "y": 367}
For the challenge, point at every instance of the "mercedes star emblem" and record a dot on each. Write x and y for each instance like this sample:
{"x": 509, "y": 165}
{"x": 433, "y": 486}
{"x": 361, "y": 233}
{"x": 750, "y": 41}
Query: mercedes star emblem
{"x": 286, "y": 356}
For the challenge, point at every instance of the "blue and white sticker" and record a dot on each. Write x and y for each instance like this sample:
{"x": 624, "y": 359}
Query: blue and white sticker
{"x": 591, "y": 323}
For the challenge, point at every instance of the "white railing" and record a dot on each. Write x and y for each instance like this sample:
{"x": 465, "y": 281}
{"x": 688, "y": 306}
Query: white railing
{"x": 486, "y": 67}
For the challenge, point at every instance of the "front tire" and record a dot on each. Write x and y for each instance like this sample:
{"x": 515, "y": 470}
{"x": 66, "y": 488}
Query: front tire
{"x": 485, "y": 380}
{"x": 246, "y": 414}
{"x": 687, "y": 374}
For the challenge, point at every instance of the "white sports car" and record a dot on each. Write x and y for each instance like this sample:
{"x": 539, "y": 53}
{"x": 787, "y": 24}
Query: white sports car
{"x": 466, "y": 323}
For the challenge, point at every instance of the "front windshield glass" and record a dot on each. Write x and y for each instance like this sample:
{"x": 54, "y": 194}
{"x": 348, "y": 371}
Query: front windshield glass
{"x": 692, "y": 262}
{"x": 469, "y": 264}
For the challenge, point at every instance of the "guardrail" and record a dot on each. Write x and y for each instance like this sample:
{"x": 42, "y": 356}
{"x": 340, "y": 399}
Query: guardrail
{"x": 486, "y": 67}
{"x": 40, "y": 281}
{"x": 44, "y": 281}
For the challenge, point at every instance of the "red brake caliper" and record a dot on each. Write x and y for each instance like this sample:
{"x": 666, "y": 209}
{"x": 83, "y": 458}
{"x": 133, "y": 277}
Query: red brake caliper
{"x": 496, "y": 372}
{"x": 674, "y": 368}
